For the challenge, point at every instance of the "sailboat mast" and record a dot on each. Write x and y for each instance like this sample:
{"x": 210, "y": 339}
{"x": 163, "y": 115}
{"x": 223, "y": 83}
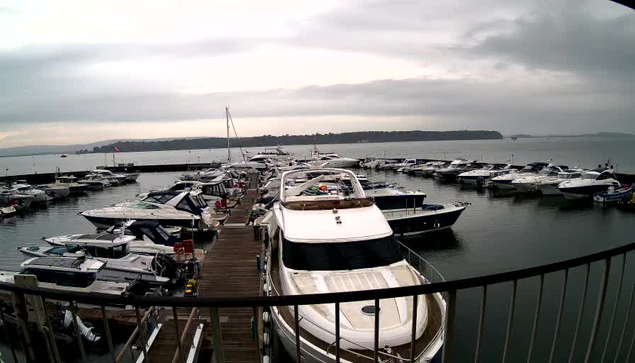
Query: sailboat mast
{"x": 229, "y": 153}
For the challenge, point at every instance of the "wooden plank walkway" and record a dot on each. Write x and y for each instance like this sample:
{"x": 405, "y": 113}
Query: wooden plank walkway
{"x": 230, "y": 270}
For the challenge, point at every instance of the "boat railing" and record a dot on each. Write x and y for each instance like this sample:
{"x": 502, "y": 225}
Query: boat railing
{"x": 603, "y": 327}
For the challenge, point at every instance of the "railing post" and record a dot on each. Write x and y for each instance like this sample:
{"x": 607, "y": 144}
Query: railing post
{"x": 580, "y": 313}
{"x": 179, "y": 346}
{"x": 599, "y": 310}
{"x": 510, "y": 320}
{"x": 219, "y": 351}
{"x": 376, "y": 337}
{"x": 534, "y": 331}
{"x": 628, "y": 315}
{"x": 111, "y": 348}
{"x": 337, "y": 332}
{"x": 413, "y": 337}
{"x": 563, "y": 295}
{"x": 296, "y": 318}
{"x": 449, "y": 327}
{"x": 615, "y": 306}
{"x": 9, "y": 340}
{"x": 78, "y": 336}
{"x": 142, "y": 334}
{"x": 257, "y": 337}
{"x": 481, "y": 324}
{"x": 22, "y": 320}
{"x": 50, "y": 334}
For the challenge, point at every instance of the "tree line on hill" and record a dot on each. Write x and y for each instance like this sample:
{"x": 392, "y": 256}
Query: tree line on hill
{"x": 270, "y": 140}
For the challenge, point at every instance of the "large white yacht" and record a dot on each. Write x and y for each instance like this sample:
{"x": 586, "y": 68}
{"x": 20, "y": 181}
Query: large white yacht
{"x": 549, "y": 185}
{"x": 504, "y": 182}
{"x": 427, "y": 169}
{"x": 174, "y": 209}
{"x": 480, "y": 177}
{"x": 324, "y": 240}
{"x": 529, "y": 183}
{"x": 143, "y": 237}
{"x": 591, "y": 182}
{"x": 331, "y": 160}
{"x": 456, "y": 167}
{"x": 114, "y": 179}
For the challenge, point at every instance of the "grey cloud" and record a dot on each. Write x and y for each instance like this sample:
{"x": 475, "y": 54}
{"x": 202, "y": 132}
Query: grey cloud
{"x": 572, "y": 41}
{"x": 502, "y": 106}
{"x": 48, "y": 84}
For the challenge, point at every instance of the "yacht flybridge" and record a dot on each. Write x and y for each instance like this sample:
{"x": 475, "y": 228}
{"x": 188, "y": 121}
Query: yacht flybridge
{"x": 326, "y": 240}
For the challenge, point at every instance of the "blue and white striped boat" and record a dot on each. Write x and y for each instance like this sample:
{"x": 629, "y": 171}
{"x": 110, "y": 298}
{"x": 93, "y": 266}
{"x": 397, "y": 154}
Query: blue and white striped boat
{"x": 614, "y": 195}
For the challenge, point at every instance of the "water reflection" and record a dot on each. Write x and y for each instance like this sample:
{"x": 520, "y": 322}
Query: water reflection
{"x": 435, "y": 241}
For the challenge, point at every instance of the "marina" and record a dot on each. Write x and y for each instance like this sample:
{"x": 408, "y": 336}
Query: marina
{"x": 485, "y": 224}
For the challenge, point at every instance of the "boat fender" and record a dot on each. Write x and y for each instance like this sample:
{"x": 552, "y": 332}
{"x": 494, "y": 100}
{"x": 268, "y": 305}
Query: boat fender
{"x": 266, "y": 359}
{"x": 266, "y": 339}
{"x": 265, "y": 287}
{"x": 265, "y": 317}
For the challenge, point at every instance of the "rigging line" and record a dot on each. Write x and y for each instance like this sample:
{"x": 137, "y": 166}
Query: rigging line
{"x": 235, "y": 133}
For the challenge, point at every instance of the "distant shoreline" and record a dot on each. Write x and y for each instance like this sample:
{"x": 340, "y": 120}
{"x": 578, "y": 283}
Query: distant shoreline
{"x": 322, "y": 139}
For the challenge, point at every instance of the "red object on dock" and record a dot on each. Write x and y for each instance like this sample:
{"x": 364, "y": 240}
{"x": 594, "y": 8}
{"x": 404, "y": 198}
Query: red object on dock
{"x": 189, "y": 245}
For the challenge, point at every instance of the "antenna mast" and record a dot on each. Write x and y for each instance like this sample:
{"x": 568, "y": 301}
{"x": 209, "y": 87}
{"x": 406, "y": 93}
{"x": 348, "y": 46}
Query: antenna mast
{"x": 229, "y": 153}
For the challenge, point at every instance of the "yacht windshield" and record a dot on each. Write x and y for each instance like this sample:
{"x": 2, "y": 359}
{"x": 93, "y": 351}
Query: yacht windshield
{"x": 142, "y": 205}
{"x": 342, "y": 255}
{"x": 589, "y": 176}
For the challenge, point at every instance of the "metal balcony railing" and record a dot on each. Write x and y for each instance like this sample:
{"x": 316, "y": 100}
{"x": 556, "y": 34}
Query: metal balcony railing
{"x": 450, "y": 289}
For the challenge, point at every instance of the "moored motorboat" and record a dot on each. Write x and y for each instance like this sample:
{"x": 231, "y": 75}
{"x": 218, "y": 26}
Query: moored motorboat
{"x": 71, "y": 182}
{"x": 481, "y": 177}
{"x": 549, "y": 185}
{"x": 353, "y": 244}
{"x": 143, "y": 237}
{"x": 7, "y": 210}
{"x": 119, "y": 263}
{"x": 423, "y": 219}
{"x": 114, "y": 179}
{"x": 428, "y": 169}
{"x": 56, "y": 191}
{"x": 76, "y": 274}
{"x": 178, "y": 209}
{"x": 504, "y": 182}
{"x": 614, "y": 195}
{"x": 529, "y": 183}
{"x": 456, "y": 167}
{"x": 39, "y": 196}
{"x": 590, "y": 183}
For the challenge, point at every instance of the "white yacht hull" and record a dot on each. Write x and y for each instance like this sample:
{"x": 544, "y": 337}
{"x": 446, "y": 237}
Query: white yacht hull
{"x": 548, "y": 189}
{"x": 525, "y": 187}
{"x": 310, "y": 353}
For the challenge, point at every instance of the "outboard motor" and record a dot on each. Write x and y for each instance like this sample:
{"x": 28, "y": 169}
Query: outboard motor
{"x": 86, "y": 332}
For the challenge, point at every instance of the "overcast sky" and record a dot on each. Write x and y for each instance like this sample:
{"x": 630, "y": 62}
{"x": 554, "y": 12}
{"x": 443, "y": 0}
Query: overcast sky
{"x": 83, "y": 71}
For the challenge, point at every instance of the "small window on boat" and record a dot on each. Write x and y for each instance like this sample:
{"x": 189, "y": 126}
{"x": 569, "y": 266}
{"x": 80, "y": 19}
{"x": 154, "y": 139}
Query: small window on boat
{"x": 59, "y": 278}
{"x": 142, "y": 205}
{"x": 184, "y": 205}
{"x": 604, "y": 176}
{"x": 120, "y": 251}
{"x": 331, "y": 256}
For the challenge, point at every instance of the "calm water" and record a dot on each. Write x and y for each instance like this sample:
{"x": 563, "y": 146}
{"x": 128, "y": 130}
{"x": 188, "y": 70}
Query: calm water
{"x": 495, "y": 234}
{"x": 586, "y": 152}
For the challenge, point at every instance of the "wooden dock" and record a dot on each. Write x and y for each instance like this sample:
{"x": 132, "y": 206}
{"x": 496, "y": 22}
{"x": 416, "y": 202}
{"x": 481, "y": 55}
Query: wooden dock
{"x": 229, "y": 269}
